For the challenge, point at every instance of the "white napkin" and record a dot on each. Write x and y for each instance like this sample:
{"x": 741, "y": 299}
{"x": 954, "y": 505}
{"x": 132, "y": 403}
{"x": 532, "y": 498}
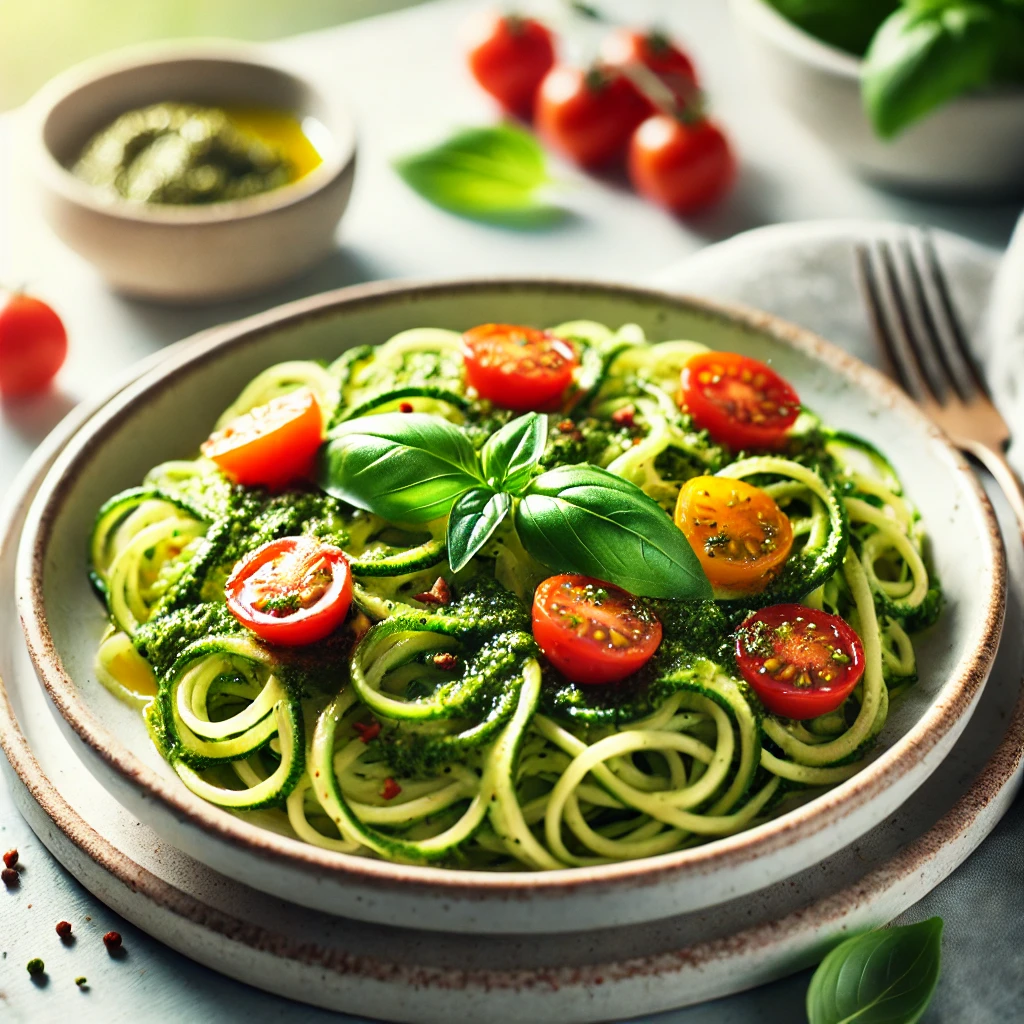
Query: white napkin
{"x": 805, "y": 273}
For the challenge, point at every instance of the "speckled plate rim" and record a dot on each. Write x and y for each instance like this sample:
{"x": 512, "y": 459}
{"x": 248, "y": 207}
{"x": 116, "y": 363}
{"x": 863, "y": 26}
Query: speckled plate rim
{"x": 973, "y": 815}
{"x": 959, "y": 693}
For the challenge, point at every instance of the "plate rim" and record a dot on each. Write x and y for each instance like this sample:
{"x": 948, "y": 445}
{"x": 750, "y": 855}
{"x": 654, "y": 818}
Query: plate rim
{"x": 724, "y": 853}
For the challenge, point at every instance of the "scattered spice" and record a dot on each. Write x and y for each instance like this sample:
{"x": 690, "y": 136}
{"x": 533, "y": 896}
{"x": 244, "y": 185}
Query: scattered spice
{"x": 81, "y": 982}
{"x": 35, "y": 967}
{"x": 10, "y": 858}
{"x": 405, "y": 407}
{"x": 439, "y": 593}
{"x": 112, "y": 940}
{"x": 10, "y": 877}
{"x": 566, "y": 426}
{"x": 64, "y": 929}
{"x": 625, "y": 416}
{"x": 445, "y": 660}
{"x": 367, "y": 732}
{"x": 391, "y": 789}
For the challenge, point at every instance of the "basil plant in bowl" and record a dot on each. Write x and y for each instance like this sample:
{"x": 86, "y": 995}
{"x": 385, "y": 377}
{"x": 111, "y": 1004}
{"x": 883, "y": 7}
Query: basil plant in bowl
{"x": 924, "y": 95}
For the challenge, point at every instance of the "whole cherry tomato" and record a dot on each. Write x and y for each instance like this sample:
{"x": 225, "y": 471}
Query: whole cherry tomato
{"x": 739, "y": 401}
{"x": 589, "y": 115}
{"x": 293, "y": 591}
{"x": 656, "y": 52}
{"x": 593, "y": 632}
{"x": 509, "y": 56}
{"x": 33, "y": 345}
{"x": 683, "y": 167}
{"x": 801, "y": 662}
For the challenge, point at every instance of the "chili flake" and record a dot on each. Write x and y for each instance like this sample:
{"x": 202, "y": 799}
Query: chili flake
{"x": 439, "y": 593}
{"x": 391, "y": 789}
{"x": 367, "y": 732}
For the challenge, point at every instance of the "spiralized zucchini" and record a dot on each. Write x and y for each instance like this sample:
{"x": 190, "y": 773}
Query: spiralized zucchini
{"x": 438, "y": 734}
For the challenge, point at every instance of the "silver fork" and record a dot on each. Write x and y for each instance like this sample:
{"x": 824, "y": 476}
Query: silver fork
{"x": 915, "y": 321}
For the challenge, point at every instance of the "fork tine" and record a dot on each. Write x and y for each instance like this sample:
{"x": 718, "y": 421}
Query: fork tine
{"x": 887, "y": 320}
{"x": 953, "y": 347}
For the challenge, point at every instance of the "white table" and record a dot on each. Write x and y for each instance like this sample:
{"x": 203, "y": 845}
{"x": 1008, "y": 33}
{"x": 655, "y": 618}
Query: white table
{"x": 404, "y": 77}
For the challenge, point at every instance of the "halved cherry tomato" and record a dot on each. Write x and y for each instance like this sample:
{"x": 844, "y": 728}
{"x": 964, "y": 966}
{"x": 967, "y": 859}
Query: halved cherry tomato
{"x": 740, "y": 535}
{"x": 517, "y": 367}
{"x": 656, "y": 52}
{"x": 271, "y": 445}
{"x": 740, "y": 402}
{"x": 593, "y": 632}
{"x": 293, "y": 591}
{"x": 509, "y": 56}
{"x": 589, "y": 115}
{"x": 680, "y": 165}
{"x": 802, "y": 663}
{"x": 33, "y": 345}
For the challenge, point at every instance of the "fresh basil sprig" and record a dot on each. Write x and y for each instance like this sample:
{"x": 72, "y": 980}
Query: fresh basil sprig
{"x": 880, "y": 977}
{"x": 410, "y": 467}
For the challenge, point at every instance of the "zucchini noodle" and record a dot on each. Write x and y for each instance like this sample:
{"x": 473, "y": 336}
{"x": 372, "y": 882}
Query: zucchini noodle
{"x": 438, "y": 733}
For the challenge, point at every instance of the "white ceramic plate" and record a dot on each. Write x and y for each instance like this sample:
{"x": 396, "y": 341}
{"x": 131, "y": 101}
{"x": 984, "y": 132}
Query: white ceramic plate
{"x": 169, "y": 411}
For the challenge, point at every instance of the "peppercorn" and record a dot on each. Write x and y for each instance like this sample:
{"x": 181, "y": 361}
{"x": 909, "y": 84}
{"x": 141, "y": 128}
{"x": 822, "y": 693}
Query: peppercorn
{"x": 80, "y": 982}
{"x": 35, "y": 967}
{"x": 10, "y": 877}
{"x": 64, "y": 929}
{"x": 10, "y": 858}
{"x": 405, "y": 407}
{"x": 112, "y": 940}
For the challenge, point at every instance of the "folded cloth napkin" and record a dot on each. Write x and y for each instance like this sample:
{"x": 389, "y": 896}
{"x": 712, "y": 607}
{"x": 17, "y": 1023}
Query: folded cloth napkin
{"x": 805, "y": 272}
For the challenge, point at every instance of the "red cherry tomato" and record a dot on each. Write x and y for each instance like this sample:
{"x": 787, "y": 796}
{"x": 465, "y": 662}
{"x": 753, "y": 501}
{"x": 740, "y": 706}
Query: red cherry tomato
{"x": 589, "y": 115}
{"x": 509, "y": 56}
{"x": 33, "y": 345}
{"x": 740, "y": 402}
{"x": 592, "y": 632}
{"x": 271, "y": 445}
{"x": 802, "y": 663}
{"x": 292, "y": 591}
{"x": 683, "y": 167}
{"x": 656, "y": 52}
{"x": 516, "y": 367}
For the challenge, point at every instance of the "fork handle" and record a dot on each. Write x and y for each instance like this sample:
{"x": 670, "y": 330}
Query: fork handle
{"x": 1009, "y": 483}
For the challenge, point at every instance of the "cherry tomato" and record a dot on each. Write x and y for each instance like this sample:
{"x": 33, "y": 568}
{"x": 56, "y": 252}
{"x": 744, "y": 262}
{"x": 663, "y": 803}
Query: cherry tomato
{"x": 33, "y": 345}
{"x": 683, "y": 167}
{"x": 740, "y": 402}
{"x": 271, "y": 445}
{"x": 517, "y": 367}
{"x": 802, "y": 663}
{"x": 589, "y": 115}
{"x": 593, "y": 632}
{"x": 292, "y": 592}
{"x": 740, "y": 535}
{"x": 509, "y": 56}
{"x": 656, "y": 52}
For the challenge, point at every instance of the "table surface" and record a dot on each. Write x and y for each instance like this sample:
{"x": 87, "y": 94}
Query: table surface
{"x": 404, "y": 79}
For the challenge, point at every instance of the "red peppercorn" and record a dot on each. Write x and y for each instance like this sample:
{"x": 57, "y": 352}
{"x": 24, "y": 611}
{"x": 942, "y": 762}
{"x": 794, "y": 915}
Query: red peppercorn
{"x": 405, "y": 407}
{"x": 64, "y": 929}
{"x": 112, "y": 940}
{"x": 10, "y": 877}
{"x": 625, "y": 416}
{"x": 10, "y": 858}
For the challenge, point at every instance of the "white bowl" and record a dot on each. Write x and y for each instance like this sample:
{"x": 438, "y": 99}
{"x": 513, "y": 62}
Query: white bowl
{"x": 167, "y": 412}
{"x": 972, "y": 147}
{"x": 188, "y": 253}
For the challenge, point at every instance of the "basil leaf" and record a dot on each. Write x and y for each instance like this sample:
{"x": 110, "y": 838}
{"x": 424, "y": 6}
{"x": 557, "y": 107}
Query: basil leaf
{"x": 490, "y": 174}
{"x": 587, "y": 520}
{"x": 474, "y": 517}
{"x": 848, "y": 25}
{"x": 406, "y": 467}
{"x": 922, "y": 59}
{"x": 510, "y": 455}
{"x": 881, "y": 977}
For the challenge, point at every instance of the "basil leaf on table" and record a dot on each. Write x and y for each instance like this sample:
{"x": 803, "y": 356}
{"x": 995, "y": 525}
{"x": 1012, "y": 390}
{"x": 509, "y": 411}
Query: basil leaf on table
{"x": 473, "y": 519}
{"x": 584, "y": 519}
{"x": 921, "y": 59}
{"x": 492, "y": 174}
{"x": 848, "y": 24}
{"x": 510, "y": 455}
{"x": 405, "y": 467}
{"x": 881, "y": 977}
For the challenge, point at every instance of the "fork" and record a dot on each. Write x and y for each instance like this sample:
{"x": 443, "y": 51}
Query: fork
{"x": 916, "y": 322}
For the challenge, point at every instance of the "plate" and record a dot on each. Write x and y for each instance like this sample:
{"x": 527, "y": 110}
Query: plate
{"x": 167, "y": 413}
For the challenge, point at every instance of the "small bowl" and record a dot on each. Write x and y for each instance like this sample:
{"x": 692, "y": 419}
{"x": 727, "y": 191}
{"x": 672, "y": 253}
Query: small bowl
{"x": 197, "y": 253}
{"x": 970, "y": 148}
